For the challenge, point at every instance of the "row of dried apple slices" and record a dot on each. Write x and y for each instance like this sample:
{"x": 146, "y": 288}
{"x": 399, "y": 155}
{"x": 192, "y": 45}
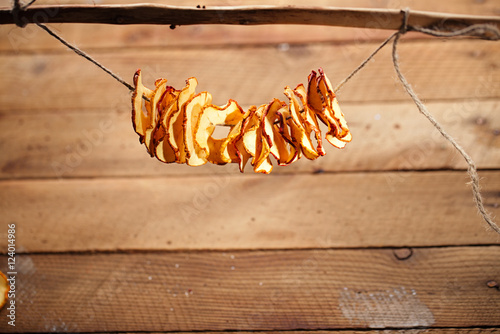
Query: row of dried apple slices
{"x": 178, "y": 125}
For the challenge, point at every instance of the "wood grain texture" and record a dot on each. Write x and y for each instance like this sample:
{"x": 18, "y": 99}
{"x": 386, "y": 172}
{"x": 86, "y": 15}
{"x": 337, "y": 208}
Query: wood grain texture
{"x": 249, "y": 212}
{"x": 350, "y": 243}
{"x": 87, "y": 36}
{"x": 66, "y": 82}
{"x": 373, "y": 331}
{"x": 387, "y": 136}
{"x": 277, "y": 290}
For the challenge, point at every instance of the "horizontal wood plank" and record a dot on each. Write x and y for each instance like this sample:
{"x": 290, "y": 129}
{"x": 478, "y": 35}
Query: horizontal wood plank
{"x": 373, "y": 331}
{"x": 249, "y": 212}
{"x": 386, "y": 136}
{"x": 31, "y": 38}
{"x": 263, "y": 290}
{"x": 64, "y": 82}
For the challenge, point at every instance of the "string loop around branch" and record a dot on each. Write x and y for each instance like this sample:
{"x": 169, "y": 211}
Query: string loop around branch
{"x": 404, "y": 25}
{"x": 17, "y": 8}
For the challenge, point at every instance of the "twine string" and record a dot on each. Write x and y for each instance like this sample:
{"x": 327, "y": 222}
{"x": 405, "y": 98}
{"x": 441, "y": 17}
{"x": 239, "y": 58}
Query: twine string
{"x": 86, "y": 56}
{"x": 472, "y": 170}
{"x": 363, "y": 64}
{"x": 27, "y": 5}
{"x": 483, "y": 31}
{"x": 17, "y": 7}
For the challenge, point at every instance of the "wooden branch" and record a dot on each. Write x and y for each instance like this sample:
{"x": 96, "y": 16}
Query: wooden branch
{"x": 255, "y": 15}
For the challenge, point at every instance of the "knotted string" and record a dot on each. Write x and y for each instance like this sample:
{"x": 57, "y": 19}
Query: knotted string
{"x": 484, "y": 31}
{"x": 16, "y": 9}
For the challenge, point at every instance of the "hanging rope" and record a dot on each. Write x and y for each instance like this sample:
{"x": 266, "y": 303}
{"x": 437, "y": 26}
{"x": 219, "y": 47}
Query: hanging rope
{"x": 472, "y": 171}
{"x": 363, "y": 64}
{"x": 484, "y": 31}
{"x": 86, "y": 56}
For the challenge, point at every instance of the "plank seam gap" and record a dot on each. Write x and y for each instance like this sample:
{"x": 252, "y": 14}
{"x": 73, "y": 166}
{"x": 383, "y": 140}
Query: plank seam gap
{"x": 344, "y": 329}
{"x": 105, "y": 111}
{"x": 219, "y": 46}
{"x": 237, "y": 250}
{"x": 283, "y": 174}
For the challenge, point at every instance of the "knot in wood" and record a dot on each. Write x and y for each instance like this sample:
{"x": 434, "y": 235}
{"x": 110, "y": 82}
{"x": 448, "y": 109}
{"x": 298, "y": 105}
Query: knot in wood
{"x": 403, "y": 253}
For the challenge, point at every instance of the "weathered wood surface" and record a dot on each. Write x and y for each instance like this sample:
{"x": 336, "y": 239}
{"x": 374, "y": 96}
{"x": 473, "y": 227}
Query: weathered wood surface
{"x": 32, "y": 38}
{"x": 373, "y": 331}
{"x": 328, "y": 248}
{"x": 387, "y": 136}
{"x": 249, "y": 212}
{"x": 376, "y": 331}
{"x": 65, "y": 82}
{"x": 273, "y": 290}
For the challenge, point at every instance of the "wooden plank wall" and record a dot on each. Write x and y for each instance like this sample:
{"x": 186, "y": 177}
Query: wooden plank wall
{"x": 382, "y": 235}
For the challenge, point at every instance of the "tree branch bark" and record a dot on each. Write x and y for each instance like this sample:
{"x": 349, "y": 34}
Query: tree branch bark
{"x": 248, "y": 15}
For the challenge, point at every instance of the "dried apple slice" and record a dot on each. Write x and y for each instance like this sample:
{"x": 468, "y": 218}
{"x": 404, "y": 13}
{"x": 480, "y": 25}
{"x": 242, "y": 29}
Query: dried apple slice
{"x": 250, "y": 133}
{"x": 4, "y": 289}
{"x": 261, "y": 162}
{"x": 346, "y": 134}
{"x": 308, "y": 116}
{"x": 314, "y": 99}
{"x": 295, "y": 152}
{"x": 298, "y": 132}
{"x": 274, "y": 127}
{"x": 168, "y": 103}
{"x": 320, "y": 89}
{"x": 270, "y": 130}
{"x": 175, "y": 132}
{"x": 336, "y": 121}
{"x": 237, "y": 143}
{"x": 217, "y": 151}
{"x": 252, "y": 139}
{"x": 191, "y": 112}
{"x": 161, "y": 87}
{"x": 141, "y": 120}
{"x": 229, "y": 152}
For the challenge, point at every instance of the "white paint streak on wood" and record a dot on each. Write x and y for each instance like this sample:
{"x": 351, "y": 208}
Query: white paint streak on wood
{"x": 384, "y": 308}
